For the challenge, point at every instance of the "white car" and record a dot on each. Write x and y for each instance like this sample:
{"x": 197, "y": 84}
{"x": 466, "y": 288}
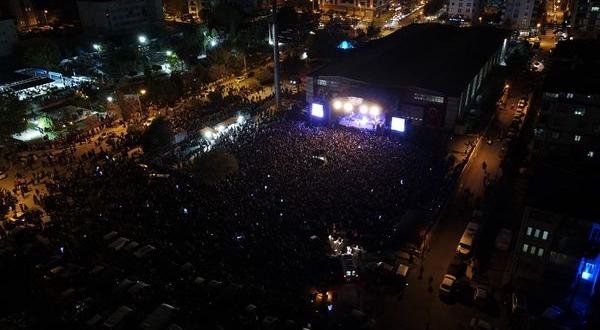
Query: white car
{"x": 447, "y": 285}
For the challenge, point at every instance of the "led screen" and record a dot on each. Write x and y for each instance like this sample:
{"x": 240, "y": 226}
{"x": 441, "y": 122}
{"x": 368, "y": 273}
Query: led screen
{"x": 316, "y": 110}
{"x": 398, "y": 124}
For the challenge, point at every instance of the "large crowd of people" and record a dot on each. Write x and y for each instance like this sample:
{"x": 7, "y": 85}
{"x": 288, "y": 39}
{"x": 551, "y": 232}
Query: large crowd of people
{"x": 267, "y": 225}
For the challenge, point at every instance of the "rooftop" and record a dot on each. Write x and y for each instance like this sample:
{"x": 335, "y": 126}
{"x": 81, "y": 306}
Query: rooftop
{"x": 439, "y": 57}
{"x": 575, "y": 68}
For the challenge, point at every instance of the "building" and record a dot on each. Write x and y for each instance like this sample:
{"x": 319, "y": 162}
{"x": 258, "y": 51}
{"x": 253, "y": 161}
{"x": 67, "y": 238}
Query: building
{"x": 558, "y": 253}
{"x": 569, "y": 121}
{"x": 24, "y": 13}
{"x": 8, "y": 36}
{"x": 463, "y": 9}
{"x": 585, "y": 18}
{"x": 520, "y": 14}
{"x": 109, "y": 17}
{"x": 183, "y": 8}
{"x": 360, "y": 8}
{"x": 424, "y": 74}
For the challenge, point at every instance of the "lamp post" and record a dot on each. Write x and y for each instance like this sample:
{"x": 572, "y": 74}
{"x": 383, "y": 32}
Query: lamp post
{"x": 276, "y": 58}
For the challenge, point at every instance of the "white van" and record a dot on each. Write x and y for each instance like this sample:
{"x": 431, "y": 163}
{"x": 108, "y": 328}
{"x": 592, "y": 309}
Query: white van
{"x": 466, "y": 241}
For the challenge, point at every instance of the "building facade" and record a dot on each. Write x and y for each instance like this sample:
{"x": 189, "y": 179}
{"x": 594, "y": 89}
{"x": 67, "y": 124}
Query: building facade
{"x": 109, "y": 17}
{"x": 24, "y": 13}
{"x": 361, "y": 8}
{"x": 520, "y": 14}
{"x": 557, "y": 250}
{"x": 8, "y": 36}
{"x": 463, "y": 9}
{"x": 585, "y": 18}
{"x": 569, "y": 121}
{"x": 408, "y": 82}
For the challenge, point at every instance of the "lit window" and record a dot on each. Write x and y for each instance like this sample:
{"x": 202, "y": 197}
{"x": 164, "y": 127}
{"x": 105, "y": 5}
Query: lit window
{"x": 569, "y": 95}
{"x": 537, "y": 233}
{"x": 429, "y": 98}
{"x": 533, "y": 249}
{"x": 525, "y": 247}
{"x": 545, "y": 235}
{"x": 321, "y": 82}
{"x": 529, "y": 230}
{"x": 540, "y": 252}
{"x": 579, "y": 112}
{"x": 577, "y": 138}
{"x": 590, "y": 154}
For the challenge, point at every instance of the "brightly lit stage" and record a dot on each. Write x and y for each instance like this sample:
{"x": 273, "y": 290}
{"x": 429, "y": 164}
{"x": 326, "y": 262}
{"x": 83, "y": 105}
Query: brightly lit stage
{"x": 356, "y": 112}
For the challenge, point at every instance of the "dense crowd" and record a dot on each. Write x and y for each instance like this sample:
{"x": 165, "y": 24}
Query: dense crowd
{"x": 295, "y": 182}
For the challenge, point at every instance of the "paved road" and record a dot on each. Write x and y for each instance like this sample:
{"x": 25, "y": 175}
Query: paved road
{"x": 419, "y": 307}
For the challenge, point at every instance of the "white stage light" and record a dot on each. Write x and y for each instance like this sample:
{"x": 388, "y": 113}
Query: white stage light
{"x": 363, "y": 109}
{"x": 348, "y": 107}
{"x": 375, "y": 110}
{"x": 337, "y": 104}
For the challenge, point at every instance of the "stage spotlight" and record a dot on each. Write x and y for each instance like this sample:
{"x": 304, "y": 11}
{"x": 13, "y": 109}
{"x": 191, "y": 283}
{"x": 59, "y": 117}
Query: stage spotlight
{"x": 337, "y": 104}
{"x": 363, "y": 109}
{"x": 375, "y": 110}
{"x": 348, "y": 107}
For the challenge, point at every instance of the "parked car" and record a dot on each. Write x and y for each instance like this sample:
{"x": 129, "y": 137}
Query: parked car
{"x": 447, "y": 285}
{"x": 518, "y": 304}
{"x": 503, "y": 239}
{"x": 481, "y": 295}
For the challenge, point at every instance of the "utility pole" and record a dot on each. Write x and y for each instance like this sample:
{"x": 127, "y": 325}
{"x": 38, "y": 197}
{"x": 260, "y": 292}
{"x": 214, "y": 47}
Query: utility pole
{"x": 276, "y": 59}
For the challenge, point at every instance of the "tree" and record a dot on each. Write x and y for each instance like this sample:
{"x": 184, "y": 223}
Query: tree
{"x": 432, "y": 7}
{"x": 215, "y": 166}
{"x": 43, "y": 54}
{"x": 12, "y": 115}
{"x": 287, "y": 17}
{"x": 157, "y": 138}
{"x": 372, "y": 31}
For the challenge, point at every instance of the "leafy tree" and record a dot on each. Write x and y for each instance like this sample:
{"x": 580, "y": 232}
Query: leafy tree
{"x": 42, "y": 53}
{"x": 224, "y": 16}
{"x": 215, "y": 166}
{"x": 121, "y": 60}
{"x": 432, "y": 7}
{"x": 372, "y": 31}
{"x": 217, "y": 71}
{"x": 157, "y": 138}
{"x": 287, "y": 17}
{"x": 12, "y": 115}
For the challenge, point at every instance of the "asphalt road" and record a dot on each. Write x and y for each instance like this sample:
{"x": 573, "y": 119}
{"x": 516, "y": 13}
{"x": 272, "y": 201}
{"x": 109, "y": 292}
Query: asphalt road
{"x": 420, "y": 307}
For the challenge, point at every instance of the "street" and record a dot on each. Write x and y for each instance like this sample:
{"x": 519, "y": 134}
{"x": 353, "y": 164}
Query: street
{"x": 420, "y": 307}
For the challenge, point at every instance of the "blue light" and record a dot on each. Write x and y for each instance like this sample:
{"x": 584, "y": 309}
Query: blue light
{"x": 345, "y": 45}
{"x": 588, "y": 271}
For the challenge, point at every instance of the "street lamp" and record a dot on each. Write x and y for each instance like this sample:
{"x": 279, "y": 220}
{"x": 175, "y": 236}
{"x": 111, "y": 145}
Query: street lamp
{"x": 109, "y": 99}
{"x": 169, "y": 53}
{"x": 96, "y": 47}
{"x": 143, "y": 91}
{"x": 142, "y": 39}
